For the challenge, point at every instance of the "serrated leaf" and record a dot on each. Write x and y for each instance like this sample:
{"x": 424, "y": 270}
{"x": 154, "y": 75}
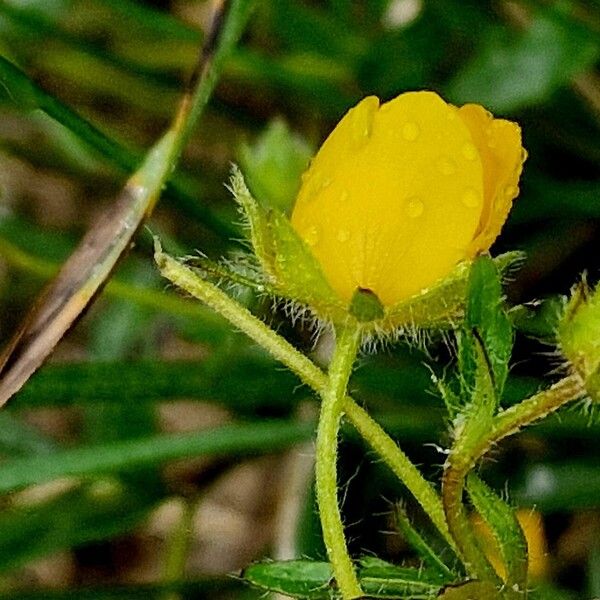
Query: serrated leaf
{"x": 274, "y": 163}
{"x": 314, "y": 580}
{"x": 505, "y": 528}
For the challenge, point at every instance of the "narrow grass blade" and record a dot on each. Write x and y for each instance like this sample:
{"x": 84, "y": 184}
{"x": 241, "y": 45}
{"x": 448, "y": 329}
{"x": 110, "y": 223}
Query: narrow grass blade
{"x": 235, "y": 440}
{"x": 90, "y": 266}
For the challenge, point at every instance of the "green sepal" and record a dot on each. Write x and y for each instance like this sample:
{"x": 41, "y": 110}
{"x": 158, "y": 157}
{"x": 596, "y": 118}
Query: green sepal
{"x": 273, "y": 165}
{"x": 442, "y": 305}
{"x": 257, "y": 222}
{"x": 366, "y": 306}
{"x": 312, "y": 580}
{"x": 506, "y": 530}
{"x": 579, "y": 335}
{"x": 298, "y": 274}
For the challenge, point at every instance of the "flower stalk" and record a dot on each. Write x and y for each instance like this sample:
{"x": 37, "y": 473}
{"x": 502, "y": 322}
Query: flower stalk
{"x": 311, "y": 375}
{"x": 347, "y": 344}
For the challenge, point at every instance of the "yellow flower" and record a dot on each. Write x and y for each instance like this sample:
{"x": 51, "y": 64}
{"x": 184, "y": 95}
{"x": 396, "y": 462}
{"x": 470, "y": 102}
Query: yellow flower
{"x": 401, "y": 193}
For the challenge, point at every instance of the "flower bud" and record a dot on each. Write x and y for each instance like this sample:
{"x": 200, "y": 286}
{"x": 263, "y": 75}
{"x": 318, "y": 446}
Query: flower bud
{"x": 579, "y": 336}
{"x": 395, "y": 205}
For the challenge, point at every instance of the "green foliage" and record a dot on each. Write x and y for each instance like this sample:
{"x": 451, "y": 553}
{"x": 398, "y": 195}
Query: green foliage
{"x": 507, "y": 532}
{"x": 512, "y": 70}
{"x": 312, "y": 580}
{"x": 487, "y": 337}
{"x": 85, "y": 88}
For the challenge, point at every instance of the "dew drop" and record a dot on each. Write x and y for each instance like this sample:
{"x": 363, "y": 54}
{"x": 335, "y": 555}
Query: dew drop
{"x": 410, "y": 131}
{"x": 524, "y": 155}
{"x": 343, "y": 235}
{"x": 344, "y": 196}
{"x": 414, "y": 207}
{"x": 384, "y": 108}
{"x": 510, "y": 192}
{"x": 362, "y": 123}
{"x": 446, "y": 166}
{"x": 470, "y": 198}
{"x": 311, "y": 237}
{"x": 469, "y": 151}
{"x": 326, "y": 182}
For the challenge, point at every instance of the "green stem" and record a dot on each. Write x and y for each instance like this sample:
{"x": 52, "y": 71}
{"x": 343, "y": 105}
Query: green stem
{"x": 347, "y": 343}
{"x": 399, "y": 464}
{"x": 453, "y": 484}
{"x": 461, "y": 462}
{"x": 312, "y": 376}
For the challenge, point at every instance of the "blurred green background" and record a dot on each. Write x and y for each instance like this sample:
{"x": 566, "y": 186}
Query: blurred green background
{"x": 159, "y": 451}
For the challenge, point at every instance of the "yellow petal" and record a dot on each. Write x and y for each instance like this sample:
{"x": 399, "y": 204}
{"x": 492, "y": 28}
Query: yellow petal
{"x": 499, "y": 145}
{"x": 394, "y": 197}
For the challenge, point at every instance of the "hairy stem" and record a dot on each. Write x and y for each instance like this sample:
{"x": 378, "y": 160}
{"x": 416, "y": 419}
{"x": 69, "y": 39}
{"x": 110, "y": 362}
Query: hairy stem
{"x": 460, "y": 463}
{"x": 347, "y": 343}
{"x": 312, "y": 376}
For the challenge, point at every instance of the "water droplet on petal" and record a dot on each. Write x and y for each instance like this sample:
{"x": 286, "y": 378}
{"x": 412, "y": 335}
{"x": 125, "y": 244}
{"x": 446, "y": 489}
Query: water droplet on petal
{"x": 446, "y": 166}
{"x": 311, "y": 237}
{"x": 410, "y": 131}
{"x": 385, "y": 107}
{"x": 471, "y": 198}
{"x": 343, "y": 235}
{"x": 362, "y": 123}
{"x": 344, "y": 196}
{"x": 469, "y": 151}
{"x": 414, "y": 207}
{"x": 510, "y": 192}
{"x": 524, "y": 155}
{"x": 326, "y": 182}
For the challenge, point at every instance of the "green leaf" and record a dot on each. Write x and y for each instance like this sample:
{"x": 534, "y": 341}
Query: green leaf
{"x": 487, "y": 329}
{"x": 506, "y": 530}
{"x": 273, "y": 165}
{"x": 238, "y": 439}
{"x": 416, "y": 541}
{"x": 295, "y": 578}
{"x": 511, "y": 70}
{"x": 313, "y": 580}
